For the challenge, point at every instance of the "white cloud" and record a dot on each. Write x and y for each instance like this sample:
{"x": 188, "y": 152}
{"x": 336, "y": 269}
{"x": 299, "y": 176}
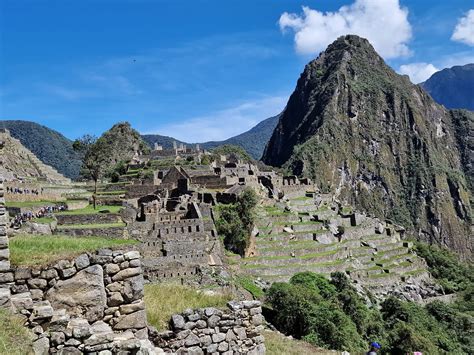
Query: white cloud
{"x": 226, "y": 123}
{"x": 383, "y": 22}
{"x": 418, "y": 72}
{"x": 464, "y": 30}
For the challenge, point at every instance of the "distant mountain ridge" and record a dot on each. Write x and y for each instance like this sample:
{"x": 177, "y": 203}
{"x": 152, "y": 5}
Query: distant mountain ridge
{"x": 453, "y": 87}
{"x": 54, "y": 149}
{"x": 253, "y": 140}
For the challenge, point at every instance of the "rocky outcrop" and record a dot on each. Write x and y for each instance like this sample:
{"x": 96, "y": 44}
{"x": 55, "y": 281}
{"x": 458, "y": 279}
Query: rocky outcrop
{"x": 375, "y": 140}
{"x": 237, "y": 330}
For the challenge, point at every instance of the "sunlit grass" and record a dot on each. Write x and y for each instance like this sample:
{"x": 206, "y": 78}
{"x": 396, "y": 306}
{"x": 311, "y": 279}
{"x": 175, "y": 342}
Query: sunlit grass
{"x": 42, "y": 249}
{"x": 164, "y": 300}
{"x": 14, "y": 338}
{"x": 90, "y": 209}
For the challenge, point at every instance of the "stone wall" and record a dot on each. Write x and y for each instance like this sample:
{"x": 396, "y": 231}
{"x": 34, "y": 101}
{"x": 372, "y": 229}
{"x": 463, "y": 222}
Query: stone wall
{"x": 92, "y": 218}
{"x": 4, "y": 250}
{"x": 237, "y": 330}
{"x": 107, "y": 232}
{"x": 88, "y": 304}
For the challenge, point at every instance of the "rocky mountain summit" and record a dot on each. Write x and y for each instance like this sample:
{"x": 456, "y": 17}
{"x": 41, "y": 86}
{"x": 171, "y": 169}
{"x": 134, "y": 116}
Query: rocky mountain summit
{"x": 378, "y": 142}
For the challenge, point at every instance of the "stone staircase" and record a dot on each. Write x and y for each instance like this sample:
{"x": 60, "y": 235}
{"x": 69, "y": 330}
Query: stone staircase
{"x": 312, "y": 233}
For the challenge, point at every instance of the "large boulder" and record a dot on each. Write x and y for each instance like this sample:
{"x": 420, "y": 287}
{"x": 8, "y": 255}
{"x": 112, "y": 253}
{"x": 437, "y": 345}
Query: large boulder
{"x": 82, "y": 295}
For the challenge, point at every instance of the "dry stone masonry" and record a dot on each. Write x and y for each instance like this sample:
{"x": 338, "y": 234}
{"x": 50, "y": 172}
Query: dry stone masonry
{"x": 88, "y": 304}
{"x": 5, "y": 277}
{"x": 236, "y": 330}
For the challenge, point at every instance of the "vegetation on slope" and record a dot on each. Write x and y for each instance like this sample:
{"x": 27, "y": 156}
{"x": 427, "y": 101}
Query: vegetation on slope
{"x": 235, "y": 221}
{"x": 163, "y": 300}
{"x": 51, "y": 147}
{"x": 330, "y": 314}
{"x": 446, "y": 268}
{"x": 278, "y": 344}
{"x": 15, "y": 339}
{"x": 463, "y": 121}
{"x": 237, "y": 151}
{"x": 30, "y": 250}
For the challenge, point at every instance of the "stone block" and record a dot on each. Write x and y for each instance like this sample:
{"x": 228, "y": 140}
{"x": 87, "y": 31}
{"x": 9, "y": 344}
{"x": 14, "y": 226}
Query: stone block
{"x": 134, "y": 254}
{"x": 49, "y": 274}
{"x": 81, "y": 295}
{"x": 177, "y": 321}
{"x": 191, "y": 339}
{"x": 82, "y": 261}
{"x": 135, "y": 320}
{"x": 127, "y": 273}
{"x": 132, "y": 307}
{"x": 41, "y": 346}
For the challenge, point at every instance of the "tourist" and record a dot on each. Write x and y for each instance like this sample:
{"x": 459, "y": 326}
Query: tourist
{"x": 374, "y": 347}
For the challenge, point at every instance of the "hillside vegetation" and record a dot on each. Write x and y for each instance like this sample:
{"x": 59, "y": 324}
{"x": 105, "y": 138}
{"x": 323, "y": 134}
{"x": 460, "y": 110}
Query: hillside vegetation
{"x": 51, "y": 147}
{"x": 332, "y": 315}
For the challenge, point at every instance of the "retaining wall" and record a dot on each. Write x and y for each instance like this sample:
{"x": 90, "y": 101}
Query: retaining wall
{"x": 236, "y": 330}
{"x": 92, "y": 218}
{"x": 88, "y": 304}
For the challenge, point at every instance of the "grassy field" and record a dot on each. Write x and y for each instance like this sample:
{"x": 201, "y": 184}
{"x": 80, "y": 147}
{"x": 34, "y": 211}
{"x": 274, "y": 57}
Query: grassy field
{"x": 43, "y": 220}
{"x": 14, "y": 338}
{"x": 43, "y": 249}
{"x": 30, "y": 203}
{"x": 90, "y": 209}
{"x": 164, "y": 300}
{"x": 278, "y": 344}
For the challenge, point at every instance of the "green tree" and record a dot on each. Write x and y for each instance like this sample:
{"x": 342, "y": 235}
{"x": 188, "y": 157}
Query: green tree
{"x": 95, "y": 159}
{"x": 235, "y": 221}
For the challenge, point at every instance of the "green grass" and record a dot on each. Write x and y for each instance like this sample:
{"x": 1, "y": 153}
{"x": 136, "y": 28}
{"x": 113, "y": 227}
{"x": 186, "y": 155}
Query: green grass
{"x": 30, "y": 203}
{"x": 247, "y": 283}
{"x": 278, "y": 344}
{"x": 43, "y": 220}
{"x": 14, "y": 338}
{"x": 302, "y": 198}
{"x": 43, "y": 249}
{"x": 91, "y": 225}
{"x": 90, "y": 209}
{"x": 164, "y": 300}
{"x": 111, "y": 193}
{"x": 293, "y": 265}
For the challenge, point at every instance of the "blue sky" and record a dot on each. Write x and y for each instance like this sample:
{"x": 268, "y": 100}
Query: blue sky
{"x": 201, "y": 69}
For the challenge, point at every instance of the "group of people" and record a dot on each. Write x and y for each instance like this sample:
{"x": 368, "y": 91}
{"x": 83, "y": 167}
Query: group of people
{"x": 24, "y": 190}
{"x": 44, "y": 211}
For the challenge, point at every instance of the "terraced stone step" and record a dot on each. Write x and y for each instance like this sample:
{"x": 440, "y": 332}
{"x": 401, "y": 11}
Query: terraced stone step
{"x": 291, "y": 269}
{"x": 301, "y": 247}
{"x": 308, "y": 258}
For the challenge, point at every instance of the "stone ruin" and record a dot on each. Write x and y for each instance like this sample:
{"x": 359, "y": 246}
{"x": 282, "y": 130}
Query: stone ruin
{"x": 236, "y": 330}
{"x": 177, "y": 235}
